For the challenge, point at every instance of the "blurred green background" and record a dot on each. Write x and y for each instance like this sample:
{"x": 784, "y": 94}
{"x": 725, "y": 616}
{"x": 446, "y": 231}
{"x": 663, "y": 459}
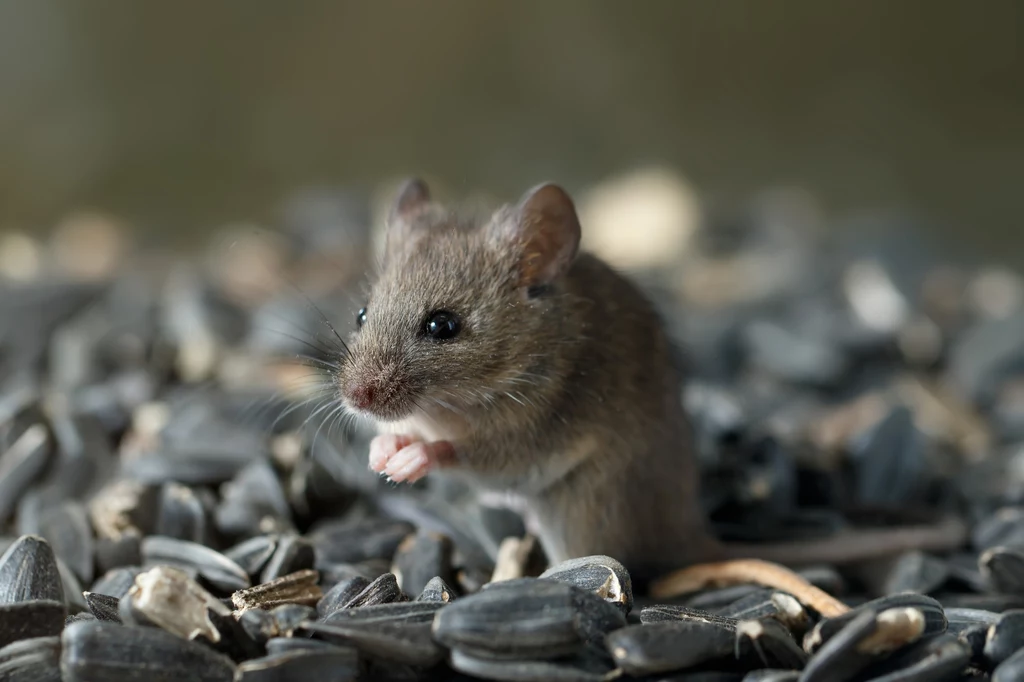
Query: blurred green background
{"x": 179, "y": 116}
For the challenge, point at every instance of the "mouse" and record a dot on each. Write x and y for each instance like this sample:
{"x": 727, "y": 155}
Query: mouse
{"x": 493, "y": 349}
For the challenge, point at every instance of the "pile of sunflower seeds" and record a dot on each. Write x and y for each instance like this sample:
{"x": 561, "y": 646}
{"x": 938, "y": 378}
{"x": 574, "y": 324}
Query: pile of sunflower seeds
{"x": 180, "y": 501}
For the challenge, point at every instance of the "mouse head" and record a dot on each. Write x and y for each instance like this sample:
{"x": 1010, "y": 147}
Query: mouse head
{"x": 461, "y": 309}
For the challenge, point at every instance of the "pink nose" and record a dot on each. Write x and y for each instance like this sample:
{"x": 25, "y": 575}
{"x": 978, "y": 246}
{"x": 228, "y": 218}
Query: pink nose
{"x": 362, "y": 395}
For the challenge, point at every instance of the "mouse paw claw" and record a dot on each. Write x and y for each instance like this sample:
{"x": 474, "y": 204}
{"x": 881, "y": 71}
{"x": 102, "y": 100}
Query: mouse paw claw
{"x": 416, "y": 460}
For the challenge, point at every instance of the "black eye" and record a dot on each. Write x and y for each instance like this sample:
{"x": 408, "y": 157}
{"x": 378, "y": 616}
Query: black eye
{"x": 361, "y": 318}
{"x": 441, "y": 325}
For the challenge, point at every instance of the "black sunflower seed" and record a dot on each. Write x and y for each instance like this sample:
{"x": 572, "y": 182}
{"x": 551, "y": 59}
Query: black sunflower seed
{"x": 938, "y": 659}
{"x": 103, "y": 606}
{"x": 1005, "y": 636}
{"x": 771, "y": 642}
{"x": 437, "y": 589}
{"x": 419, "y": 558}
{"x": 341, "y": 594}
{"x": 349, "y": 542}
{"x": 289, "y": 616}
{"x": 293, "y": 554}
{"x": 117, "y": 582}
{"x": 934, "y": 617}
{"x": 309, "y": 665}
{"x": 212, "y": 566}
{"x": 20, "y": 465}
{"x": 916, "y": 572}
{"x": 30, "y": 619}
{"x": 31, "y": 660}
{"x": 580, "y": 669}
{"x": 1003, "y": 569}
{"x": 258, "y": 624}
{"x": 96, "y": 651}
{"x": 525, "y": 619}
{"x": 253, "y": 554}
{"x": 602, "y": 575}
{"x": 181, "y": 514}
{"x": 671, "y": 645}
{"x": 28, "y": 570}
{"x": 383, "y": 590}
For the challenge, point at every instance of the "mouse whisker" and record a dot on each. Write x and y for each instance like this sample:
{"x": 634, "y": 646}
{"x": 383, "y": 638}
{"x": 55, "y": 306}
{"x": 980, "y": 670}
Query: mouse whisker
{"x": 297, "y": 406}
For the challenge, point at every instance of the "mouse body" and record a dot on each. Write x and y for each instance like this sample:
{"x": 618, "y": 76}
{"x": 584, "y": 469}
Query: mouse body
{"x": 495, "y": 350}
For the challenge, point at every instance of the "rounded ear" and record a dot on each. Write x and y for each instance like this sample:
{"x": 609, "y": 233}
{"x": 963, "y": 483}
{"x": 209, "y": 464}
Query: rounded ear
{"x": 413, "y": 196}
{"x": 412, "y": 199}
{"x": 548, "y": 231}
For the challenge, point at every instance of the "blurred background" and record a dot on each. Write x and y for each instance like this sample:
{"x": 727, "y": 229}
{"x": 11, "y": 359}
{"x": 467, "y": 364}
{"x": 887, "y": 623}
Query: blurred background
{"x": 179, "y": 117}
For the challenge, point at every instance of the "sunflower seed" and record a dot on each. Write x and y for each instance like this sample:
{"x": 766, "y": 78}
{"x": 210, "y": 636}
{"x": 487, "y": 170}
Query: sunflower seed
{"x": 289, "y": 616}
{"x": 662, "y": 613}
{"x": 181, "y": 514}
{"x": 341, "y": 594}
{"x": 296, "y": 588}
{"x": 31, "y": 660}
{"x": 974, "y": 638}
{"x": 1010, "y": 670}
{"x": 769, "y": 675}
{"x": 292, "y": 554}
{"x": 32, "y": 618}
{"x": 283, "y": 645}
{"x": 124, "y": 551}
{"x": 934, "y": 617}
{"x": 346, "y": 542}
{"x": 939, "y": 659}
{"x": 67, "y": 530}
{"x": 1005, "y": 637}
{"x": 959, "y": 619}
{"x": 330, "y": 665}
{"x": 529, "y": 671}
{"x": 523, "y": 619}
{"x": 213, "y": 567}
{"x": 258, "y": 624}
{"x": 437, "y": 589}
{"x": 407, "y": 642}
{"x": 1003, "y": 569}
{"x": 169, "y": 599}
{"x": 1004, "y": 527}
{"x": 250, "y": 497}
{"x": 28, "y": 570}
{"x": 671, "y": 645}
{"x": 113, "y": 653}
{"x": 103, "y": 606}
{"x": 253, "y": 554}
{"x": 419, "y": 558}
{"x": 20, "y": 465}
{"x": 602, "y": 575}
{"x": 866, "y": 638}
{"x": 916, "y": 572}
{"x": 383, "y": 590}
{"x": 117, "y": 582}
{"x": 771, "y": 641}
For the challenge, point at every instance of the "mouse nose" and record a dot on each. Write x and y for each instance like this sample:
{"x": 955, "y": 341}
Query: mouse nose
{"x": 362, "y": 395}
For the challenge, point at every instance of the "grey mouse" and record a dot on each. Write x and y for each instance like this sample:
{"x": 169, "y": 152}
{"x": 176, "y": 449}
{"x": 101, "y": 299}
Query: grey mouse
{"x": 497, "y": 350}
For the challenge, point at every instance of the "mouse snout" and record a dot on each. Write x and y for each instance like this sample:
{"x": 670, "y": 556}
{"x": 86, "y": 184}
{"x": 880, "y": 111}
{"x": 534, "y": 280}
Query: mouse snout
{"x": 362, "y": 395}
{"x": 375, "y": 389}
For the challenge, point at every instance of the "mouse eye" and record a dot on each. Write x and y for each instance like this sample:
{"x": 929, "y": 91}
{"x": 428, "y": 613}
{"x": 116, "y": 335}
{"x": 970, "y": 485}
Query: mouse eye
{"x": 441, "y": 325}
{"x": 361, "y": 318}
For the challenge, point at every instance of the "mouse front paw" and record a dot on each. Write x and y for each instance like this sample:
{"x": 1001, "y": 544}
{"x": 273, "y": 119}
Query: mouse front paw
{"x": 405, "y": 459}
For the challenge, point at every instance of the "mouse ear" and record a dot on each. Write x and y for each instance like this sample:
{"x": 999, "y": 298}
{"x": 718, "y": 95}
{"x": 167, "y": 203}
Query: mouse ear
{"x": 412, "y": 199}
{"x": 548, "y": 230}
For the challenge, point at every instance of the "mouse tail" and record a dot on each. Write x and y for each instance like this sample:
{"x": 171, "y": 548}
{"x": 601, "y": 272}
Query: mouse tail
{"x": 770, "y": 565}
{"x": 857, "y": 545}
